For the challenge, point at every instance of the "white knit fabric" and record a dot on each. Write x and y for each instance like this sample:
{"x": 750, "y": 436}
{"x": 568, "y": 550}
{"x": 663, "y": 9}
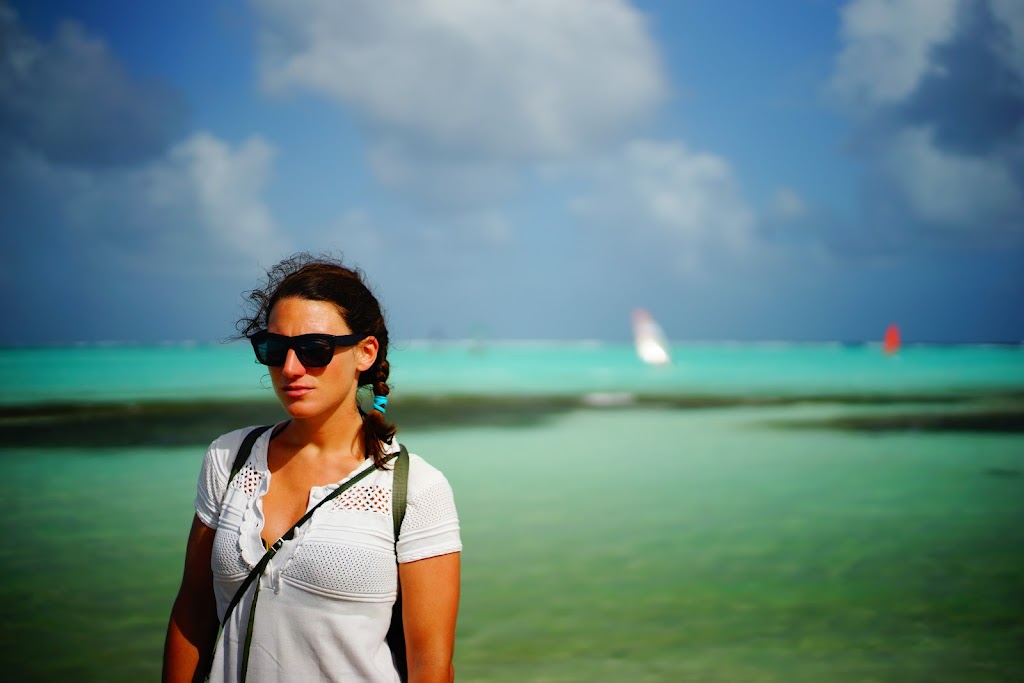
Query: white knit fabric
{"x": 325, "y": 600}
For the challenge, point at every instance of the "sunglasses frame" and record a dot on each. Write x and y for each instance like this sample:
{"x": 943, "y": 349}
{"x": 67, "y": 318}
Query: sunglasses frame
{"x": 295, "y": 344}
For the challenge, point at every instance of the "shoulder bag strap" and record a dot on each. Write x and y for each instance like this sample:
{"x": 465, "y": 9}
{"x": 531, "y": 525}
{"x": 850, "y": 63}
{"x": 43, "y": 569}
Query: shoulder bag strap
{"x": 258, "y": 570}
{"x": 289, "y": 535}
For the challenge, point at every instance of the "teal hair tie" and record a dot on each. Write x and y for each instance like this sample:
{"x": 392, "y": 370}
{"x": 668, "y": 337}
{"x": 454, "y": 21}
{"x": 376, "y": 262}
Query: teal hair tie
{"x": 379, "y": 403}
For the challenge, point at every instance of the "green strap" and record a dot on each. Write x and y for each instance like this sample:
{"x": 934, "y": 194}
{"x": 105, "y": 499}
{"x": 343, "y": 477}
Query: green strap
{"x": 248, "y": 633}
{"x": 244, "y": 450}
{"x": 257, "y": 571}
{"x": 400, "y": 489}
{"x": 399, "y": 499}
{"x": 261, "y": 566}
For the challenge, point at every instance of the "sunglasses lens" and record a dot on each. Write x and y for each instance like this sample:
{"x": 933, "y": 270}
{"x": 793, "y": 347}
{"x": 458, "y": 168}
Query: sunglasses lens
{"x": 314, "y": 353}
{"x": 269, "y": 351}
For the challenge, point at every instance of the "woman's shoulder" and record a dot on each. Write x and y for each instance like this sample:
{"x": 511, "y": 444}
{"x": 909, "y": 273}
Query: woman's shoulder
{"x": 422, "y": 474}
{"x": 223, "y": 449}
{"x": 430, "y": 526}
{"x": 214, "y": 474}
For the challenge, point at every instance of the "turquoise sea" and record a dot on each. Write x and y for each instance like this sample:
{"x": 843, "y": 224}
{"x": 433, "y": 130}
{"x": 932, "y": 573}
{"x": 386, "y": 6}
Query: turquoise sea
{"x": 753, "y": 512}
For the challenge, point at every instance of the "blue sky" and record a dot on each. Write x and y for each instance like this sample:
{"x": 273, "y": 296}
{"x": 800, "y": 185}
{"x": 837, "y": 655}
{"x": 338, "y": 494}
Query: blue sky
{"x": 807, "y": 170}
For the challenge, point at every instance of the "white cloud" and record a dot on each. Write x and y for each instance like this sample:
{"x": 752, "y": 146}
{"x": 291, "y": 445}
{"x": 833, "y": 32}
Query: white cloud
{"x": 198, "y": 206}
{"x": 886, "y": 46}
{"x": 227, "y": 187}
{"x": 510, "y": 78}
{"x": 681, "y": 202}
{"x": 950, "y": 189}
{"x": 461, "y": 96}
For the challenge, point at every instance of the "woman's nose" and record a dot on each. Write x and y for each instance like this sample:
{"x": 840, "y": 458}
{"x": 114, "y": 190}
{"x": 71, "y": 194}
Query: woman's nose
{"x": 292, "y": 366}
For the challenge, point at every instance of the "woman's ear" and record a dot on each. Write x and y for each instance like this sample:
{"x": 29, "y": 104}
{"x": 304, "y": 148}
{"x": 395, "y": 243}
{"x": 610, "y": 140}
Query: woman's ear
{"x": 367, "y": 353}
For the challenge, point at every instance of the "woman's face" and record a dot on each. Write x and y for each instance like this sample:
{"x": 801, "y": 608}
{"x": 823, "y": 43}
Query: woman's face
{"x": 311, "y": 392}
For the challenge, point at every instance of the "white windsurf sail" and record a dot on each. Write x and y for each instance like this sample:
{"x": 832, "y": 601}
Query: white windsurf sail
{"x": 651, "y": 345}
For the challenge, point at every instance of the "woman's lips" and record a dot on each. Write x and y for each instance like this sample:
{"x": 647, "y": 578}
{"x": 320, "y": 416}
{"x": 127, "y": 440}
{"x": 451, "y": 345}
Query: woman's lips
{"x": 295, "y": 391}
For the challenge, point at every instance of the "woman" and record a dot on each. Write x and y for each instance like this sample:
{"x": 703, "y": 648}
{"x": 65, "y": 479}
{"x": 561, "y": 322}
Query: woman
{"x": 324, "y": 602}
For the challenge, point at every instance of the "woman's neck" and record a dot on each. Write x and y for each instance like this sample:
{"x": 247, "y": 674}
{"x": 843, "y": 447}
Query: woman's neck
{"x": 339, "y": 433}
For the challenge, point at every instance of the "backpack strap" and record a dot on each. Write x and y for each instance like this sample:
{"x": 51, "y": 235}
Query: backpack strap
{"x": 400, "y": 489}
{"x": 399, "y": 499}
{"x": 245, "y": 449}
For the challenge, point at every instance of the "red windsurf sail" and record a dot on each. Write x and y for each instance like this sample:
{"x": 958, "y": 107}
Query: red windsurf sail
{"x": 891, "y": 343}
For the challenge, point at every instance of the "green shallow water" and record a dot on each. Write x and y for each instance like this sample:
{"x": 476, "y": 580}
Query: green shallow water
{"x": 635, "y": 544}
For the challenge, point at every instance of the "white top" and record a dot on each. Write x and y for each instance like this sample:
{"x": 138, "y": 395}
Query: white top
{"x": 325, "y": 600}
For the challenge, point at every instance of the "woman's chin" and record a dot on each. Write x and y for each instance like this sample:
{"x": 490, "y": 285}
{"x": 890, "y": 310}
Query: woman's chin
{"x": 299, "y": 409}
{"x": 309, "y": 405}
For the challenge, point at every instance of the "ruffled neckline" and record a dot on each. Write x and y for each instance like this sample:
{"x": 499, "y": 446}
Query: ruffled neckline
{"x": 250, "y": 541}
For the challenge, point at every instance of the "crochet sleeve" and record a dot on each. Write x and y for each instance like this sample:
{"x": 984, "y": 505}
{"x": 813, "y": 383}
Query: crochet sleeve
{"x": 431, "y": 524}
{"x": 213, "y": 478}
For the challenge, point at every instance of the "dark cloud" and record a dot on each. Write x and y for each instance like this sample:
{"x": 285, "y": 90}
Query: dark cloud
{"x": 116, "y": 226}
{"x": 87, "y": 256}
{"x": 70, "y": 100}
{"x": 972, "y": 97}
{"x": 944, "y": 162}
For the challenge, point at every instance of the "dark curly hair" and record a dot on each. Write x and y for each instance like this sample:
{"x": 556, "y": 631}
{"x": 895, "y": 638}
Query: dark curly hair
{"x": 324, "y": 278}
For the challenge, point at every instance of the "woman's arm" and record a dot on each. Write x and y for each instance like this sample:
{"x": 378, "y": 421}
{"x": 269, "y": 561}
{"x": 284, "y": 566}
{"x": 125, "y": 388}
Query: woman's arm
{"x": 430, "y": 604}
{"x": 193, "y": 625}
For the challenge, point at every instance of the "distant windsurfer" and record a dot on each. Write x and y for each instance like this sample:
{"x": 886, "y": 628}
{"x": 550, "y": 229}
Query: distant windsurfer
{"x": 650, "y": 341}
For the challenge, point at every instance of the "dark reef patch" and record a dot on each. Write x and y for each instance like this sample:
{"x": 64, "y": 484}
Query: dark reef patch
{"x": 168, "y": 424}
{"x": 995, "y": 420}
{"x": 195, "y": 423}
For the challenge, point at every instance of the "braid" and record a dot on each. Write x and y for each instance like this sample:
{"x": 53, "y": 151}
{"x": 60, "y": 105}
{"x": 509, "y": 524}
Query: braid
{"x": 376, "y": 428}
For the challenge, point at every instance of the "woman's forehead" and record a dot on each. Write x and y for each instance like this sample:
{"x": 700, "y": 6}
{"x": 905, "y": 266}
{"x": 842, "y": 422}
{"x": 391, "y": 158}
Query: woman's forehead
{"x": 304, "y": 316}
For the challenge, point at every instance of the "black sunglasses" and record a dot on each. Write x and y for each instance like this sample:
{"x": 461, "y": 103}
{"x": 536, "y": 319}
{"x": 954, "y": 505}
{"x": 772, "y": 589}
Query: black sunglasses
{"x": 312, "y": 350}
